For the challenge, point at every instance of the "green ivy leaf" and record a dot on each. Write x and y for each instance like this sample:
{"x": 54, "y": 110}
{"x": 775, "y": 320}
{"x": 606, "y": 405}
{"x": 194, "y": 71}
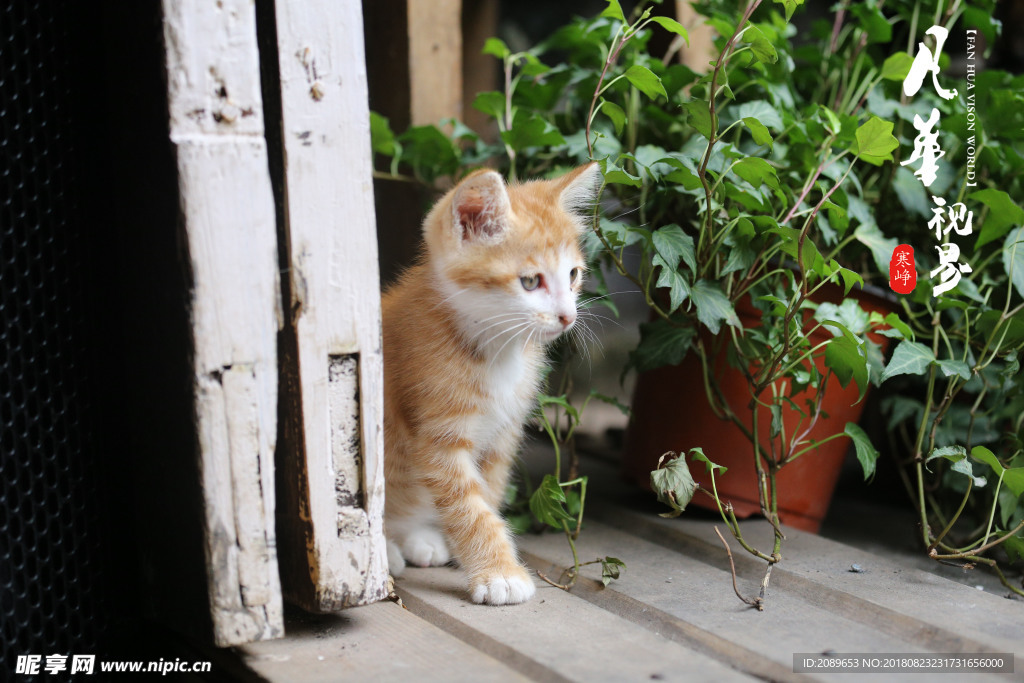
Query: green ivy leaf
{"x": 548, "y": 503}
{"x": 867, "y": 455}
{"x": 497, "y": 48}
{"x": 951, "y": 367}
{"x": 760, "y": 110}
{"x": 534, "y": 67}
{"x": 613, "y": 173}
{"x": 700, "y": 117}
{"x": 894, "y": 321}
{"x": 673, "y": 484}
{"x": 661, "y": 343}
{"x": 610, "y": 400}
{"x": 615, "y": 113}
{"x": 530, "y": 130}
{"x": 850, "y": 278}
{"x": 831, "y": 121}
{"x": 713, "y": 306}
{"x": 756, "y": 171}
{"x": 911, "y": 193}
{"x": 758, "y": 131}
{"x": 614, "y": 11}
{"x": 897, "y": 66}
{"x": 645, "y": 81}
{"x": 844, "y": 356}
{"x": 909, "y": 358}
{"x": 610, "y": 568}
{"x": 948, "y": 452}
{"x": 674, "y": 245}
{"x": 1013, "y": 477}
{"x": 491, "y": 103}
{"x": 874, "y": 23}
{"x": 1003, "y": 213}
{"x": 430, "y": 152}
{"x": 561, "y": 401}
{"x": 881, "y": 247}
{"x": 673, "y": 26}
{"x": 672, "y": 279}
{"x": 849, "y": 313}
{"x": 760, "y": 45}
{"x": 1014, "y": 547}
{"x": 381, "y": 137}
{"x": 697, "y": 455}
{"x": 875, "y": 141}
{"x": 790, "y": 7}
{"x": 1013, "y": 258}
{"x": 957, "y": 455}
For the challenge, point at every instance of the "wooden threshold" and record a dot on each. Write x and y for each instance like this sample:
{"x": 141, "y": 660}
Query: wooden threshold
{"x": 671, "y": 616}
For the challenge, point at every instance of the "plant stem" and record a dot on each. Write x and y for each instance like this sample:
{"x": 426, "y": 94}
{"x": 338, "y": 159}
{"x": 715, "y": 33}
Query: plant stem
{"x": 713, "y": 95}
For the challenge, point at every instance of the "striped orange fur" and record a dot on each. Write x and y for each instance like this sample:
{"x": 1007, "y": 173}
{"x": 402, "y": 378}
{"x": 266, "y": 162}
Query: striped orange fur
{"x": 464, "y": 337}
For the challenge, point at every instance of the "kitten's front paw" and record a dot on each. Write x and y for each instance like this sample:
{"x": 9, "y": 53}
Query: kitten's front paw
{"x": 426, "y": 548}
{"x": 396, "y": 563}
{"x": 503, "y": 589}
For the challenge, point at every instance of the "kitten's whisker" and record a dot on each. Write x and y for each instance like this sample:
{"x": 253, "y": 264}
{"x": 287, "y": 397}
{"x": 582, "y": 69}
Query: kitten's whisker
{"x": 507, "y": 342}
{"x": 599, "y": 318}
{"x": 506, "y": 331}
{"x": 458, "y": 292}
{"x": 596, "y": 297}
{"x": 589, "y": 336}
{"x": 499, "y": 315}
{"x": 599, "y": 322}
{"x": 577, "y": 336}
{"x": 626, "y": 213}
{"x": 508, "y": 318}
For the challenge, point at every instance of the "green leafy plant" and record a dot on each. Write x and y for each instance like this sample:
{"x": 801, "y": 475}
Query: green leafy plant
{"x": 954, "y": 404}
{"x": 734, "y": 198}
{"x": 559, "y": 503}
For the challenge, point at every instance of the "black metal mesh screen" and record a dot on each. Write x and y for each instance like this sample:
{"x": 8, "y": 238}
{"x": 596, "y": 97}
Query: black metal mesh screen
{"x": 49, "y": 569}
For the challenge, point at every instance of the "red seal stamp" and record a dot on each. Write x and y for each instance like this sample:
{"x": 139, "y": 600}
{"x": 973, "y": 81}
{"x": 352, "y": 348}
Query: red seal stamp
{"x": 902, "y": 274}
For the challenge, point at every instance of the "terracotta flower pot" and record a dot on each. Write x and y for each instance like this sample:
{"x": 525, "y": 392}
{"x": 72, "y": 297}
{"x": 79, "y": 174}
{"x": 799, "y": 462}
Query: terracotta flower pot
{"x": 671, "y": 413}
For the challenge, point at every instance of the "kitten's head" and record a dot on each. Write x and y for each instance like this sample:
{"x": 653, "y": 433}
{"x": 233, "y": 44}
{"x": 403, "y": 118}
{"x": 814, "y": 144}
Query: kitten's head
{"x": 508, "y": 258}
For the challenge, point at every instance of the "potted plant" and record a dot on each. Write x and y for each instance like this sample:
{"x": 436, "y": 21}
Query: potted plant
{"x": 752, "y": 197}
{"x": 952, "y": 386}
{"x": 719, "y": 214}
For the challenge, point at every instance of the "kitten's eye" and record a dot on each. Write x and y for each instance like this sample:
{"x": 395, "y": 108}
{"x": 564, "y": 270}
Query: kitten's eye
{"x": 574, "y": 275}
{"x": 530, "y": 282}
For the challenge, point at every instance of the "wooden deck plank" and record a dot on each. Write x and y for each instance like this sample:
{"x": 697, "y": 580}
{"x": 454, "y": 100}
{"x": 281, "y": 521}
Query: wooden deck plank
{"x": 556, "y": 636}
{"x": 379, "y": 642}
{"x": 658, "y": 621}
{"x": 895, "y": 597}
{"x": 671, "y": 616}
{"x": 902, "y": 601}
{"x": 690, "y": 593}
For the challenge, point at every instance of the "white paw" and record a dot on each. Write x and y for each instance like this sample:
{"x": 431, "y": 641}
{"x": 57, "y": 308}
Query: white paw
{"x": 504, "y": 589}
{"x": 425, "y": 547}
{"x": 396, "y": 563}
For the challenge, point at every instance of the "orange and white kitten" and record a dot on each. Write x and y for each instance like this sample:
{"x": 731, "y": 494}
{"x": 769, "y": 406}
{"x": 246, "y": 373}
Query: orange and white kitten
{"x": 464, "y": 338}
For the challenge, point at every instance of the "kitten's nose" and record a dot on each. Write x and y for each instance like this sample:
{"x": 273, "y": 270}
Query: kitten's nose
{"x": 567, "y": 319}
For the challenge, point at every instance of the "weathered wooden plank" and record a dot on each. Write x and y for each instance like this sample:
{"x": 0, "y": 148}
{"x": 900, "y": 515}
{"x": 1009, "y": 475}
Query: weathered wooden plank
{"x": 479, "y": 22}
{"x": 227, "y": 209}
{"x": 556, "y": 636}
{"x": 380, "y": 642}
{"x": 894, "y": 598}
{"x": 435, "y": 60}
{"x": 701, "y": 48}
{"x": 334, "y": 440}
{"x": 673, "y": 592}
{"x": 898, "y": 600}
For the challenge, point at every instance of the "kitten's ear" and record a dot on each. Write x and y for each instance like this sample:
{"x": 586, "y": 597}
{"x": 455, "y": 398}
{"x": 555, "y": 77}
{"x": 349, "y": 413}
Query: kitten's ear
{"x": 578, "y": 189}
{"x": 480, "y": 208}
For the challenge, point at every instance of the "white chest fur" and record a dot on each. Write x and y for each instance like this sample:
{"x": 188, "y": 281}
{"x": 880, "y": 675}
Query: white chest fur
{"x": 510, "y": 383}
